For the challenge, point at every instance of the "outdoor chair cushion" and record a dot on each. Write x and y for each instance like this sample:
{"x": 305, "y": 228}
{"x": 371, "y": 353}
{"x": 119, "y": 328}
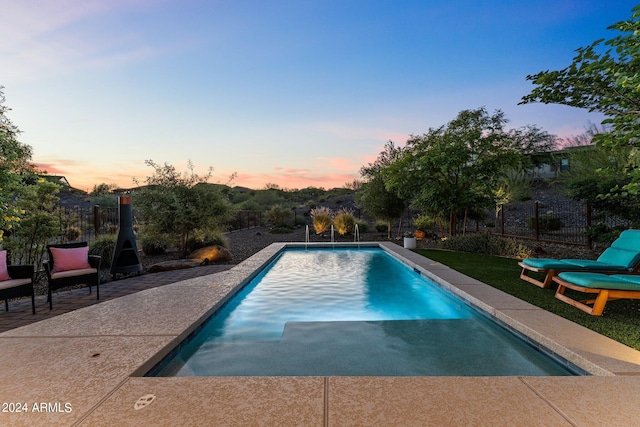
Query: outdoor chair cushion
{"x": 564, "y": 264}
{"x": 12, "y": 283}
{"x": 19, "y": 284}
{"x": 621, "y": 257}
{"x": 66, "y": 259}
{"x": 625, "y": 282}
{"x": 628, "y": 239}
{"x": 69, "y": 264}
{"x": 4, "y": 272}
{"x": 72, "y": 273}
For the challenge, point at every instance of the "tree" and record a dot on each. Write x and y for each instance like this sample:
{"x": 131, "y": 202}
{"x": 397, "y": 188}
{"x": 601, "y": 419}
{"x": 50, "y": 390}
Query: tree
{"x": 354, "y": 185}
{"x": 380, "y": 203}
{"x": 373, "y": 196}
{"x": 39, "y": 223}
{"x": 177, "y": 205}
{"x": 14, "y": 168}
{"x": 456, "y": 168}
{"x": 102, "y": 189}
{"x": 271, "y": 186}
{"x": 604, "y": 77}
{"x": 602, "y": 169}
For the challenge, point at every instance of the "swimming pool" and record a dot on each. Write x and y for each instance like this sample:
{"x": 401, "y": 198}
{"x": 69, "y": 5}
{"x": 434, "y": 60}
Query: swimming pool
{"x": 350, "y": 311}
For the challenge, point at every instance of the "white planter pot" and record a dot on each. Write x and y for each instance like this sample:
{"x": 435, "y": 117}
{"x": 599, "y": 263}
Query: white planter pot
{"x": 410, "y": 242}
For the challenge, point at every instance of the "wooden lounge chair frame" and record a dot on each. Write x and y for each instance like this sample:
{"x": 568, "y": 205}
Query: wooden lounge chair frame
{"x": 620, "y": 246}
{"x": 596, "y": 305}
{"x": 19, "y": 273}
{"x": 71, "y": 280}
{"x": 549, "y": 278}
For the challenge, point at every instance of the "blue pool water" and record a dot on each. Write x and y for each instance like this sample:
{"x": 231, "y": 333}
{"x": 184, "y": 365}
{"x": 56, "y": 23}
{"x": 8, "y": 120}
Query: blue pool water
{"x": 350, "y": 311}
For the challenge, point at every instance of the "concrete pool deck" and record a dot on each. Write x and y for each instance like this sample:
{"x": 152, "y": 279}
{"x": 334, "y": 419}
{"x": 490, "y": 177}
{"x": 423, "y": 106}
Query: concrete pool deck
{"x": 84, "y": 368}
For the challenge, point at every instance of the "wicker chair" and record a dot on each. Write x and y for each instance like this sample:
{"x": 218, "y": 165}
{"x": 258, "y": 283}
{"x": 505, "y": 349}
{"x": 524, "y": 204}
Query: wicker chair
{"x": 87, "y": 275}
{"x": 20, "y": 285}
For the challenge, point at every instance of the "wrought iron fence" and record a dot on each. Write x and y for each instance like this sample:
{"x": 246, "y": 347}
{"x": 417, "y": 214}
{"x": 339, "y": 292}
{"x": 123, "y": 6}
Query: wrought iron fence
{"x": 246, "y": 219}
{"x": 557, "y": 221}
{"x": 85, "y": 224}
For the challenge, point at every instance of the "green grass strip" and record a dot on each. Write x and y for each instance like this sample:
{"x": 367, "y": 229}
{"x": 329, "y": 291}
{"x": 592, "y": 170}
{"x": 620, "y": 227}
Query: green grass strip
{"x": 620, "y": 320}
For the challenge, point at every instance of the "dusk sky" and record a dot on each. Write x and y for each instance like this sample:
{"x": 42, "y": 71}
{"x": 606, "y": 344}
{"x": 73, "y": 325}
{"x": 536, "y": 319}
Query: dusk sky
{"x": 295, "y": 93}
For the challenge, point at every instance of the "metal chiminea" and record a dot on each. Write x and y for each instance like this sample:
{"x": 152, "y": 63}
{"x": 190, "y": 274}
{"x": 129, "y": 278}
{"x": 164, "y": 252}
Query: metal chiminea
{"x": 125, "y": 256}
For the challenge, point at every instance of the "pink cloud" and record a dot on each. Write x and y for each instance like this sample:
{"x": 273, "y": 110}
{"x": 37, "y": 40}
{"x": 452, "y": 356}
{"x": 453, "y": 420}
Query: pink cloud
{"x": 330, "y": 173}
{"x": 293, "y": 178}
{"x": 84, "y": 176}
{"x": 49, "y": 168}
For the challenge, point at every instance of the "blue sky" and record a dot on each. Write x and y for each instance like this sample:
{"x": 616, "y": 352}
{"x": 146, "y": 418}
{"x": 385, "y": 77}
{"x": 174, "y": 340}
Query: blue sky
{"x": 294, "y": 93}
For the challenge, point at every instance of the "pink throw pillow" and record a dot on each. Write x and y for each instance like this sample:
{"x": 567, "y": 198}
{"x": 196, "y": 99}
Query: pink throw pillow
{"x": 70, "y": 259}
{"x": 4, "y": 273}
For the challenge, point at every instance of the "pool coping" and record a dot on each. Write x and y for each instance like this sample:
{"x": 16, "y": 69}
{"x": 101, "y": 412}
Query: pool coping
{"x": 101, "y": 352}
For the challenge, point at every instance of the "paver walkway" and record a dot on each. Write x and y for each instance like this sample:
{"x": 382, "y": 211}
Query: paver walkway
{"x": 64, "y": 301}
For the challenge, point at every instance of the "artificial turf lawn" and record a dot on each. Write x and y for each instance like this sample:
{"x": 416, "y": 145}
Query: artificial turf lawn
{"x": 620, "y": 320}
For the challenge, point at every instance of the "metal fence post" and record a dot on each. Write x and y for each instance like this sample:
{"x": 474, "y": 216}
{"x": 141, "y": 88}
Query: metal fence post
{"x": 589, "y": 239}
{"x": 96, "y": 220}
{"x": 536, "y": 224}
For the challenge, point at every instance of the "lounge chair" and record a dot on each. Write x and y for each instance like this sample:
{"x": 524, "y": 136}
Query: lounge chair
{"x": 623, "y": 256}
{"x": 70, "y": 264}
{"x": 605, "y": 287}
{"x": 16, "y": 281}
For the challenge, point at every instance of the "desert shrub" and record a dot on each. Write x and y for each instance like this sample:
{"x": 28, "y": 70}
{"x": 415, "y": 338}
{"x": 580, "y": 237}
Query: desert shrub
{"x": 104, "y": 246}
{"x": 239, "y": 197}
{"x": 363, "y": 226}
{"x": 278, "y": 215}
{"x": 424, "y": 222}
{"x": 202, "y": 240}
{"x": 39, "y": 223}
{"x": 344, "y": 222}
{"x": 154, "y": 244}
{"x": 546, "y": 223}
{"x": 176, "y": 204}
{"x": 477, "y": 243}
{"x": 249, "y": 205}
{"x": 300, "y": 217}
{"x": 604, "y": 234}
{"x": 514, "y": 249}
{"x": 265, "y": 199}
{"x": 321, "y": 217}
{"x": 72, "y": 234}
{"x": 381, "y": 226}
{"x": 487, "y": 244}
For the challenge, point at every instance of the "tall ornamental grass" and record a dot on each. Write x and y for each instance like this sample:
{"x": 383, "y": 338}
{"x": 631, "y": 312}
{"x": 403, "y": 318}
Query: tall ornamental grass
{"x": 322, "y": 218}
